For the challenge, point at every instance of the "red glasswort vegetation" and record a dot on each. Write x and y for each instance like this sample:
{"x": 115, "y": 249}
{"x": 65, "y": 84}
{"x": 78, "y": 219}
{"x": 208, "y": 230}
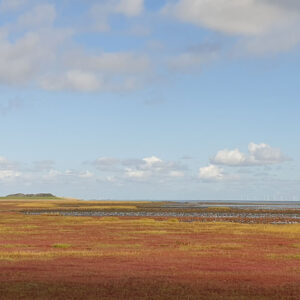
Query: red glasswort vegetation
{"x": 58, "y": 257}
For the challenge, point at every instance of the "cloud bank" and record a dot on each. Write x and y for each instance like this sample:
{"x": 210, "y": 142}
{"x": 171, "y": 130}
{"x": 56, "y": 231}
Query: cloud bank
{"x": 258, "y": 154}
{"x": 38, "y": 50}
{"x": 261, "y": 26}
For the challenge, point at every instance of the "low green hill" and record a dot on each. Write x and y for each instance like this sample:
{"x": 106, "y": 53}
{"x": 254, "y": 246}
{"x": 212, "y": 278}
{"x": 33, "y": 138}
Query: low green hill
{"x": 30, "y": 196}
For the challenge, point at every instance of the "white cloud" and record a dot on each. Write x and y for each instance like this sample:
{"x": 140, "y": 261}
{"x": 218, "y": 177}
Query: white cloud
{"x": 259, "y": 154}
{"x": 75, "y": 80}
{"x": 108, "y": 62}
{"x": 106, "y": 161}
{"x": 9, "y": 174}
{"x": 246, "y": 17}
{"x": 36, "y": 52}
{"x": 40, "y": 15}
{"x": 286, "y": 4}
{"x": 148, "y": 168}
{"x": 107, "y": 169}
{"x": 11, "y": 5}
{"x": 265, "y": 154}
{"x": 52, "y": 174}
{"x": 20, "y": 61}
{"x": 230, "y": 157}
{"x": 129, "y": 8}
{"x": 177, "y": 174}
{"x": 102, "y": 72}
{"x": 267, "y": 25}
{"x": 102, "y": 11}
{"x": 25, "y": 59}
{"x": 211, "y": 172}
{"x": 152, "y": 161}
{"x": 86, "y": 174}
{"x": 273, "y": 43}
{"x": 6, "y": 164}
{"x": 191, "y": 60}
{"x": 132, "y": 173}
{"x": 43, "y": 165}
{"x": 111, "y": 179}
{"x": 106, "y": 164}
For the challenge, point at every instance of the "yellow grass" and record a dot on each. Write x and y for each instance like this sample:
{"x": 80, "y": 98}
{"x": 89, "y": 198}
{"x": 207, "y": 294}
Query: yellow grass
{"x": 108, "y": 219}
{"x": 217, "y": 209}
{"x": 289, "y": 228}
{"x": 205, "y": 247}
{"x": 45, "y": 255}
{"x": 116, "y": 246}
{"x": 173, "y": 220}
{"x": 37, "y": 205}
{"x": 281, "y": 256}
{"x": 150, "y": 232}
{"x": 10, "y": 246}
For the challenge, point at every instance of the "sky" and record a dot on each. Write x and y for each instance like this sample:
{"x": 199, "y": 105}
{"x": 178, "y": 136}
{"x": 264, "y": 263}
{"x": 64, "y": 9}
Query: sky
{"x": 150, "y": 100}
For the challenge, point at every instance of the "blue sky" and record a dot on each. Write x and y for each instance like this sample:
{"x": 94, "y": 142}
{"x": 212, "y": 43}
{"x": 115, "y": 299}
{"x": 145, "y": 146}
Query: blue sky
{"x": 137, "y": 99}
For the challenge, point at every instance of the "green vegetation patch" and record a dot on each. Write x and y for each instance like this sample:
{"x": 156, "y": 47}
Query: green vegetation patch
{"x": 62, "y": 246}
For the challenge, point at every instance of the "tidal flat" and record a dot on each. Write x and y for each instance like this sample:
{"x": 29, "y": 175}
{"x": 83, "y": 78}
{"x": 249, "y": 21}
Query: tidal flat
{"x": 71, "y": 249}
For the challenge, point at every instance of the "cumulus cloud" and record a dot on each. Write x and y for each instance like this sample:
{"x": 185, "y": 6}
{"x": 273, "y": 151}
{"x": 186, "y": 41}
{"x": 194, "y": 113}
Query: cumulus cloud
{"x": 247, "y": 17}
{"x": 193, "y": 59}
{"x": 141, "y": 169}
{"x": 43, "y": 165}
{"x": 129, "y": 7}
{"x": 51, "y": 174}
{"x": 105, "y": 71}
{"x": 57, "y": 175}
{"x": 229, "y": 157}
{"x": 40, "y": 15}
{"x": 8, "y": 170}
{"x": 36, "y": 52}
{"x": 287, "y": 4}
{"x": 19, "y": 60}
{"x": 154, "y": 167}
{"x": 258, "y": 154}
{"x": 9, "y": 174}
{"x": 102, "y": 11}
{"x": 86, "y": 174}
{"x": 6, "y": 164}
{"x": 106, "y": 170}
{"x": 25, "y": 58}
{"x": 253, "y": 19}
{"x": 39, "y": 172}
{"x": 74, "y": 80}
{"x": 176, "y": 174}
{"x": 132, "y": 173}
{"x": 106, "y": 163}
{"x": 12, "y": 5}
{"x": 110, "y": 63}
{"x": 211, "y": 172}
{"x": 265, "y": 154}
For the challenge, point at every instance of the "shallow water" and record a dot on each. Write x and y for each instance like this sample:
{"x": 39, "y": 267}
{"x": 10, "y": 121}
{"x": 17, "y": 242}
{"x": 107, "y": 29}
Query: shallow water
{"x": 295, "y": 217}
{"x": 237, "y": 204}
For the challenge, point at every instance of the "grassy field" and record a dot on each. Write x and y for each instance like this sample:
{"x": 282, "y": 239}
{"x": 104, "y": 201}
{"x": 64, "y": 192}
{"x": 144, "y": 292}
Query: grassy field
{"x": 115, "y": 258}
